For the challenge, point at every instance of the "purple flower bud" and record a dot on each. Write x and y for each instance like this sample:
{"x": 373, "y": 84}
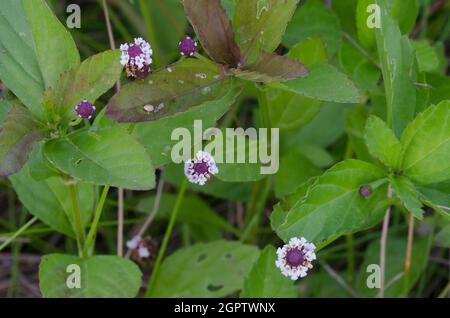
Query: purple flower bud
{"x": 295, "y": 257}
{"x": 84, "y": 109}
{"x": 365, "y": 191}
{"x": 187, "y": 46}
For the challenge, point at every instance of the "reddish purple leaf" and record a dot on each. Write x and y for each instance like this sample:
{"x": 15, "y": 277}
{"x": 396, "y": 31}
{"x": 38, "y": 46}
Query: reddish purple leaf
{"x": 270, "y": 67}
{"x": 17, "y": 134}
{"x": 214, "y": 29}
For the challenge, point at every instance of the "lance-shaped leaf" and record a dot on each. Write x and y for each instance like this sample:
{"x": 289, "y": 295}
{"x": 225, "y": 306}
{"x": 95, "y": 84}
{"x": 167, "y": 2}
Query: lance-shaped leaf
{"x": 214, "y": 29}
{"x": 426, "y": 144}
{"x": 382, "y": 143}
{"x": 260, "y": 25}
{"x": 271, "y": 67}
{"x": 397, "y": 63}
{"x": 89, "y": 80}
{"x": 17, "y": 134}
{"x": 173, "y": 90}
{"x": 100, "y": 155}
{"x": 333, "y": 206}
{"x": 19, "y": 67}
{"x": 100, "y": 276}
{"x": 55, "y": 49}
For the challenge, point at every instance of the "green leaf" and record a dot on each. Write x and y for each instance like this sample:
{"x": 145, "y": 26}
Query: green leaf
{"x": 404, "y": 189}
{"x": 5, "y": 107}
{"x": 173, "y": 90}
{"x": 310, "y": 51}
{"x": 270, "y": 67}
{"x": 406, "y": 13}
{"x": 289, "y": 110}
{"x": 160, "y": 148}
{"x": 260, "y": 24}
{"x": 426, "y": 145}
{"x": 215, "y": 269}
{"x": 55, "y": 49}
{"x": 313, "y": 19}
{"x": 355, "y": 122}
{"x": 193, "y": 211}
{"x": 40, "y": 168}
{"x": 437, "y": 193}
{"x": 214, "y": 29}
{"x": 99, "y": 155}
{"x": 382, "y": 143}
{"x": 50, "y": 200}
{"x": 426, "y": 55}
{"x": 294, "y": 170}
{"x": 19, "y": 68}
{"x": 101, "y": 277}
{"x": 333, "y": 206}
{"x": 17, "y": 134}
{"x": 366, "y": 35}
{"x": 91, "y": 79}
{"x": 443, "y": 237}
{"x": 167, "y": 15}
{"x": 397, "y": 63}
{"x": 325, "y": 83}
{"x": 266, "y": 281}
{"x": 395, "y": 263}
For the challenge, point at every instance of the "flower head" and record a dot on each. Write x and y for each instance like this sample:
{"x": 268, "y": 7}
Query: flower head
{"x": 187, "y": 46}
{"x": 84, "y": 109}
{"x": 200, "y": 168}
{"x": 136, "y": 57}
{"x": 365, "y": 191}
{"x": 295, "y": 258}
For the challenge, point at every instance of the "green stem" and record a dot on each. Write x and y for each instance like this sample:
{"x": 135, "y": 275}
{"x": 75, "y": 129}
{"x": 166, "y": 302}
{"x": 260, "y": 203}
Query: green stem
{"x": 173, "y": 217}
{"x": 350, "y": 257}
{"x": 79, "y": 230}
{"x": 94, "y": 225}
{"x": 17, "y": 233}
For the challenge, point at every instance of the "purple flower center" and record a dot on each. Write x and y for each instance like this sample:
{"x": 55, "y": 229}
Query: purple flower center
{"x": 295, "y": 257}
{"x": 365, "y": 191}
{"x": 201, "y": 167}
{"x": 85, "y": 109}
{"x": 187, "y": 46}
{"x": 134, "y": 50}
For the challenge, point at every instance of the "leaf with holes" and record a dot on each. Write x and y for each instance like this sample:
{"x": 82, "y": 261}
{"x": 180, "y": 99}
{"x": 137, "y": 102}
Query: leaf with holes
{"x": 215, "y": 269}
{"x": 170, "y": 91}
{"x": 100, "y": 277}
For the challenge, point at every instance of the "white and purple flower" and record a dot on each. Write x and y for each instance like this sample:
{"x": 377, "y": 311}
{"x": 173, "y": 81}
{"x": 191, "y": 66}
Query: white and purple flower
{"x": 136, "y": 57}
{"x": 295, "y": 258}
{"x": 84, "y": 109}
{"x": 200, "y": 169}
{"x": 138, "y": 244}
{"x": 187, "y": 46}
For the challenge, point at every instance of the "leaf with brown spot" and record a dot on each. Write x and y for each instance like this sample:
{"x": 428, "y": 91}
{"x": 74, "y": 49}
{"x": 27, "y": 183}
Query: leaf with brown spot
{"x": 173, "y": 90}
{"x": 271, "y": 67}
{"x": 214, "y": 29}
